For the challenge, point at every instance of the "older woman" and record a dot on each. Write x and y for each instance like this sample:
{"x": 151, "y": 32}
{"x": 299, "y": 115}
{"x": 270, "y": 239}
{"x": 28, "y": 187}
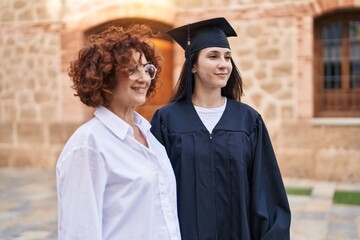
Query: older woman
{"x": 114, "y": 179}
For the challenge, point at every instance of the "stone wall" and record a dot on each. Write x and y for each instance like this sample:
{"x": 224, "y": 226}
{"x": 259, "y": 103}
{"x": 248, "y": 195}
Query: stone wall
{"x": 29, "y": 83}
{"x": 273, "y": 50}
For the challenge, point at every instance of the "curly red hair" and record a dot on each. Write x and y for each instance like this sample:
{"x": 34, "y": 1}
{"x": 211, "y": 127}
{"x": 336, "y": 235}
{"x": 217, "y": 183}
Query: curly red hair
{"x": 94, "y": 70}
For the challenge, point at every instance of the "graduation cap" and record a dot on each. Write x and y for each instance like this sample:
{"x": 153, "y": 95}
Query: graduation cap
{"x": 199, "y": 35}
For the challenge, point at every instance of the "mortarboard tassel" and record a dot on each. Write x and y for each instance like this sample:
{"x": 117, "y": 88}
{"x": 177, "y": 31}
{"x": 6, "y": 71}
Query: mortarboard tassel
{"x": 188, "y": 68}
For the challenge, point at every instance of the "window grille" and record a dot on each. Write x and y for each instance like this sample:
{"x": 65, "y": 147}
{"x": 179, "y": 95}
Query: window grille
{"x": 337, "y": 65}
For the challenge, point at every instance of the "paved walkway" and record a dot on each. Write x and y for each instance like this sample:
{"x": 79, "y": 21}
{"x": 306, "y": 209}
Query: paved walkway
{"x": 28, "y": 208}
{"x": 28, "y": 204}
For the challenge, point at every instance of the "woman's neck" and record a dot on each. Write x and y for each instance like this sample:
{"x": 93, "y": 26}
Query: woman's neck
{"x": 211, "y": 99}
{"x": 126, "y": 114}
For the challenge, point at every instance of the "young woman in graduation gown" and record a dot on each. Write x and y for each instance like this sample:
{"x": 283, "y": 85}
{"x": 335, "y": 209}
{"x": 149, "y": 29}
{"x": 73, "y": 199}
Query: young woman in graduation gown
{"x": 229, "y": 186}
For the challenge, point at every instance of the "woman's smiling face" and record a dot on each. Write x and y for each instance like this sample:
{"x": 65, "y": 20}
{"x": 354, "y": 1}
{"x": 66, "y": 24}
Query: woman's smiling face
{"x": 213, "y": 67}
{"x": 130, "y": 92}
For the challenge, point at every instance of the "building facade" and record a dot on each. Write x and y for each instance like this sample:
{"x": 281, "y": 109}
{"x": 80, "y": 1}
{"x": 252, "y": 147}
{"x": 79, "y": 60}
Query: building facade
{"x": 299, "y": 59}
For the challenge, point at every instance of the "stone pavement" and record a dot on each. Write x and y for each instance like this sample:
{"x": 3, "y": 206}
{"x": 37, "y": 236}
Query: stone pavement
{"x": 28, "y": 204}
{"x": 28, "y": 208}
{"x": 315, "y": 217}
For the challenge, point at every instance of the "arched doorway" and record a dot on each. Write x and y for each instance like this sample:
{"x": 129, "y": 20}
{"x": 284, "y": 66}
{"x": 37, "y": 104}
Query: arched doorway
{"x": 164, "y": 44}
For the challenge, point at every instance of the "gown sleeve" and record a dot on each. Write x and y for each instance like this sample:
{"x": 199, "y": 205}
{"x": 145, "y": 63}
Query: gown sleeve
{"x": 270, "y": 209}
{"x": 159, "y": 129}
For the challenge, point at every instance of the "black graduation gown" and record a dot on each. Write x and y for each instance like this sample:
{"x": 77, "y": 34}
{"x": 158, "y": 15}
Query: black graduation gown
{"x": 229, "y": 183}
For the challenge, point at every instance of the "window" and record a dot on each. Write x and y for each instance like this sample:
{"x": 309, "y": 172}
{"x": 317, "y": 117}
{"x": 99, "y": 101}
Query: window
{"x": 337, "y": 65}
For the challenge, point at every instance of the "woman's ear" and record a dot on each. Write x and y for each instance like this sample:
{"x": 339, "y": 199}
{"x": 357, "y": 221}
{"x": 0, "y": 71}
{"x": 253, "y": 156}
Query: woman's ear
{"x": 193, "y": 70}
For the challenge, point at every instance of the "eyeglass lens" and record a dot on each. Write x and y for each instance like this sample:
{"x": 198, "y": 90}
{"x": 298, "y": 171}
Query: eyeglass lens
{"x": 149, "y": 69}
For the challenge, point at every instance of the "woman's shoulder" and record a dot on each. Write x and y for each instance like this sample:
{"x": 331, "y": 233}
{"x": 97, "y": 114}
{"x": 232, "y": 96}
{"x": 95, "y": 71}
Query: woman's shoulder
{"x": 243, "y": 109}
{"x": 178, "y": 116}
{"x": 175, "y": 110}
{"x": 173, "y": 107}
{"x": 86, "y": 134}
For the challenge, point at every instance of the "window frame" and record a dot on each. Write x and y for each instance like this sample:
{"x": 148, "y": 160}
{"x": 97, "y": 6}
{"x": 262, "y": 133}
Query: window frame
{"x": 344, "y": 17}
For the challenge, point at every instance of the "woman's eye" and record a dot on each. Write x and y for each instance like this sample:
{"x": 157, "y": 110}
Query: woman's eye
{"x": 132, "y": 70}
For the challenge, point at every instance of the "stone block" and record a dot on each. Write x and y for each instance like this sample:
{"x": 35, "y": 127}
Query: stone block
{"x": 287, "y": 112}
{"x": 347, "y": 137}
{"x": 284, "y": 94}
{"x": 38, "y": 156}
{"x": 338, "y": 164}
{"x": 246, "y": 65}
{"x": 42, "y": 13}
{"x": 61, "y": 132}
{"x": 6, "y": 132}
{"x": 260, "y": 74}
{"x": 25, "y": 97}
{"x": 296, "y": 163}
{"x": 353, "y": 170}
{"x": 30, "y": 132}
{"x": 20, "y": 4}
{"x": 26, "y": 15}
{"x": 271, "y": 22}
{"x": 28, "y": 112}
{"x": 8, "y": 111}
{"x": 282, "y": 70}
{"x": 253, "y": 31}
{"x": 272, "y": 86}
{"x": 270, "y": 111}
{"x": 268, "y": 54}
{"x": 72, "y": 109}
{"x": 42, "y": 96}
{"x": 8, "y": 95}
{"x": 47, "y": 112}
{"x": 7, "y": 16}
{"x": 301, "y": 136}
{"x": 22, "y": 158}
{"x": 4, "y": 157}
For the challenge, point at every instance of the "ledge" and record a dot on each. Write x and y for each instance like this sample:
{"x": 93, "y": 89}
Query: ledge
{"x": 336, "y": 121}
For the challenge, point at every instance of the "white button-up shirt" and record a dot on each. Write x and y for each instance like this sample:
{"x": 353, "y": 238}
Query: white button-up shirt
{"x": 110, "y": 186}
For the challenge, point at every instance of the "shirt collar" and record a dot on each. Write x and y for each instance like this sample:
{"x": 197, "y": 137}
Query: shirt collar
{"x": 117, "y": 125}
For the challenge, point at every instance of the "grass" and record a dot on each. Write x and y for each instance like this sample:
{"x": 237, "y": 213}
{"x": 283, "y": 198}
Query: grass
{"x": 298, "y": 191}
{"x": 340, "y": 197}
{"x": 347, "y": 197}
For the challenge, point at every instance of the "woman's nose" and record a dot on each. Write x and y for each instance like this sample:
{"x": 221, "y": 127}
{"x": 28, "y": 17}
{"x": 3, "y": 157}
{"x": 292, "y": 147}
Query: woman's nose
{"x": 144, "y": 76}
{"x": 222, "y": 63}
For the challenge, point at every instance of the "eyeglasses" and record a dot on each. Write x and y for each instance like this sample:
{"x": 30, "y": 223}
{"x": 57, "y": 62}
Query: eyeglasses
{"x": 149, "y": 69}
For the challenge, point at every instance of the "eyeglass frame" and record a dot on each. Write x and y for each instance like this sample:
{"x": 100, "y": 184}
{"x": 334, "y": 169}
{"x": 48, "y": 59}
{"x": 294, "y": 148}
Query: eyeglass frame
{"x": 137, "y": 72}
